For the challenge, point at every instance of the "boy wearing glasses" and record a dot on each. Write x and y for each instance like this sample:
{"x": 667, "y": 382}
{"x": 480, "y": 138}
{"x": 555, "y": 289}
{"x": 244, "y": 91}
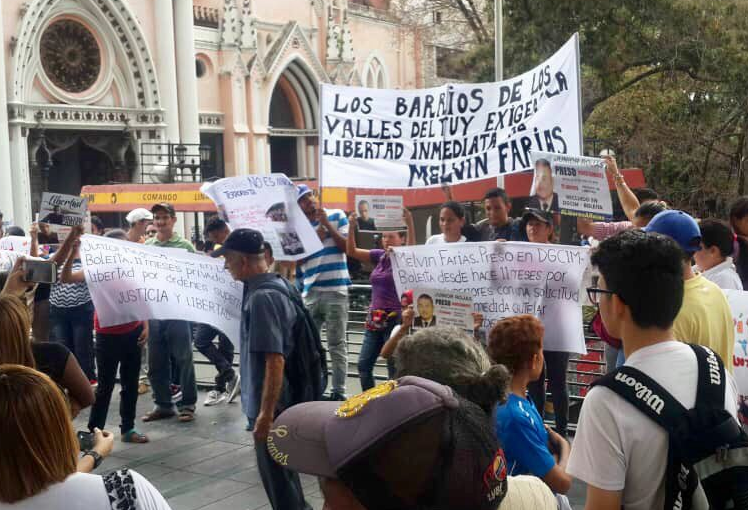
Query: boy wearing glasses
{"x": 618, "y": 451}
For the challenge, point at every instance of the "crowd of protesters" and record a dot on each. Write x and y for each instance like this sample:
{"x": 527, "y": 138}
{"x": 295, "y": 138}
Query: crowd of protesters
{"x": 460, "y": 422}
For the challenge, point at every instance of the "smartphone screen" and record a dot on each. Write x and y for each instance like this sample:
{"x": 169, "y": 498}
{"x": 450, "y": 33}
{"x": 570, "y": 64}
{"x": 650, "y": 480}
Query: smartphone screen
{"x": 39, "y": 271}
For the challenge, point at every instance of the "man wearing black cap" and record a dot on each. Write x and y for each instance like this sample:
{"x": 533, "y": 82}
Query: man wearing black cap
{"x": 267, "y": 324}
{"x": 169, "y": 339}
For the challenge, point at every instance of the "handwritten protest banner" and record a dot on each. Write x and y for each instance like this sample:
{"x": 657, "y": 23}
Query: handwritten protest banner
{"x": 67, "y": 210}
{"x": 131, "y": 282}
{"x": 438, "y": 307}
{"x": 506, "y": 279}
{"x": 266, "y": 203}
{"x": 16, "y": 243}
{"x": 571, "y": 185}
{"x": 378, "y": 138}
{"x": 738, "y": 300}
{"x": 379, "y": 212}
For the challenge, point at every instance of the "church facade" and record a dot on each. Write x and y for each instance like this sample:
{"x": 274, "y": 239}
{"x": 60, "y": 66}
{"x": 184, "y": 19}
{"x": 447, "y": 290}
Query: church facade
{"x": 116, "y": 91}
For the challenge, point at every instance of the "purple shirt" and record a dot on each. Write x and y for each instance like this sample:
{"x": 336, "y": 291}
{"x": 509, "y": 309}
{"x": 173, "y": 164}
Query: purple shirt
{"x": 383, "y": 292}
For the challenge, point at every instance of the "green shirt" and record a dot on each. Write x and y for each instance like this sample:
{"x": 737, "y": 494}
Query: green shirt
{"x": 176, "y": 241}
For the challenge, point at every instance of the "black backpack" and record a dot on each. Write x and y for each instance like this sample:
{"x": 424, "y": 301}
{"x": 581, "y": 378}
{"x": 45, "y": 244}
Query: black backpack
{"x": 306, "y": 364}
{"x": 708, "y": 449}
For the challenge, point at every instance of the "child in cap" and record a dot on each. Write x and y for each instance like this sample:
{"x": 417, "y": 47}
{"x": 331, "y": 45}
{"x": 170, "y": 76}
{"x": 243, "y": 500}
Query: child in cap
{"x": 530, "y": 447}
{"x": 714, "y": 259}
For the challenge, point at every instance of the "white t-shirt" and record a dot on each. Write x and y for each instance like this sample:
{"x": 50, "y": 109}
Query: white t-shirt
{"x": 83, "y": 491}
{"x": 617, "y": 448}
{"x": 439, "y": 239}
{"x": 724, "y": 275}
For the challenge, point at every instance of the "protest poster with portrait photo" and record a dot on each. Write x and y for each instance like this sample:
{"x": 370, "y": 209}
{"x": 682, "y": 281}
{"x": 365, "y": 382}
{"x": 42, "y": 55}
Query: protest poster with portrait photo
{"x": 64, "y": 210}
{"x": 570, "y": 185}
{"x": 443, "y": 308}
{"x": 266, "y": 203}
{"x": 379, "y": 212}
{"x": 505, "y": 279}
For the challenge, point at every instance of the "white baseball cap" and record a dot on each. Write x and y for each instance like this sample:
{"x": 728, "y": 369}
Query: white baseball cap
{"x": 138, "y": 214}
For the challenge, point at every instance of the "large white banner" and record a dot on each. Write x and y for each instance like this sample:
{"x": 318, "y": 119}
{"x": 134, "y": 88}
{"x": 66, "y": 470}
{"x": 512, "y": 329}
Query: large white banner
{"x": 134, "y": 282}
{"x": 266, "y": 203}
{"x": 506, "y": 279}
{"x": 379, "y": 138}
{"x": 571, "y": 185}
{"x": 738, "y": 300}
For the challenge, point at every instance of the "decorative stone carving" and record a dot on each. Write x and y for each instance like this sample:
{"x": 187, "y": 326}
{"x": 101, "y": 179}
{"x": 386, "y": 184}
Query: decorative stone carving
{"x": 248, "y": 38}
{"x": 346, "y": 50}
{"x": 230, "y": 24}
{"x": 70, "y": 56}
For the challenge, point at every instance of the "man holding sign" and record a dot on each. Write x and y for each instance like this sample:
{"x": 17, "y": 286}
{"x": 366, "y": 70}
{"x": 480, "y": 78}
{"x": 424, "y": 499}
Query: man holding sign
{"x": 170, "y": 339}
{"x": 325, "y": 280}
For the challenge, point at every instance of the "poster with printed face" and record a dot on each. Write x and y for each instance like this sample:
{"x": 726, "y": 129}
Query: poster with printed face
{"x": 65, "y": 210}
{"x": 379, "y": 212}
{"x": 738, "y": 300}
{"x": 18, "y": 244}
{"x": 133, "y": 282}
{"x": 379, "y": 138}
{"x": 506, "y": 279}
{"x": 443, "y": 308}
{"x": 571, "y": 185}
{"x": 266, "y": 203}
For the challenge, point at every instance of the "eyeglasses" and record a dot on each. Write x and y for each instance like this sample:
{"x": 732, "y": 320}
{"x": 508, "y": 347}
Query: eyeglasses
{"x": 594, "y": 294}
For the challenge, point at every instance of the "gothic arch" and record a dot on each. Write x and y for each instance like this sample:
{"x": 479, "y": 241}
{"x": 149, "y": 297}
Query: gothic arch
{"x": 304, "y": 85}
{"x": 115, "y": 22}
{"x": 374, "y": 73}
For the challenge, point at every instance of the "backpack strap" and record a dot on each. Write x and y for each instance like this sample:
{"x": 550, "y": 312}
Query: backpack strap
{"x": 710, "y": 392}
{"x": 645, "y": 394}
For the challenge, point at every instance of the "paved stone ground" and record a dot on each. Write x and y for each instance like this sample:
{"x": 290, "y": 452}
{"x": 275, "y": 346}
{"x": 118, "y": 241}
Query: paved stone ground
{"x": 208, "y": 464}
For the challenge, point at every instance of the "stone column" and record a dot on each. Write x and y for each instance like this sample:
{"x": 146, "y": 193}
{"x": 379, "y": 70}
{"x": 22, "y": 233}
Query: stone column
{"x": 6, "y": 181}
{"x": 189, "y": 121}
{"x": 167, "y": 67}
{"x": 189, "y": 124}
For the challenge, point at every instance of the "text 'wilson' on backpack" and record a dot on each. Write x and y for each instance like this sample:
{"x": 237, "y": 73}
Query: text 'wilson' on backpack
{"x": 707, "y": 465}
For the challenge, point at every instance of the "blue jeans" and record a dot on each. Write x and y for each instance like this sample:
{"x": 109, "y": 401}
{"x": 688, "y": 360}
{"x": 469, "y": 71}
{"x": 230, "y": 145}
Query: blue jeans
{"x": 331, "y": 309}
{"x": 372, "y": 346}
{"x": 171, "y": 341}
{"x": 73, "y": 327}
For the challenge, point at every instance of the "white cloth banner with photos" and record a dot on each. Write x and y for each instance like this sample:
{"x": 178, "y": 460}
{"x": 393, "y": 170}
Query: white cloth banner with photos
{"x": 388, "y": 138}
{"x": 266, "y": 203}
{"x": 506, "y": 279}
{"x": 573, "y": 185}
{"x": 134, "y": 282}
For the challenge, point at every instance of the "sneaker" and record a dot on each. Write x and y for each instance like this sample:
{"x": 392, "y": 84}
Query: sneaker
{"x": 233, "y": 388}
{"x": 142, "y": 388}
{"x": 214, "y": 397}
{"x": 176, "y": 393}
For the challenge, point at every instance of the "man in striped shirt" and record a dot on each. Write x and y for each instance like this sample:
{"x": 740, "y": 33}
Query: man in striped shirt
{"x": 324, "y": 280}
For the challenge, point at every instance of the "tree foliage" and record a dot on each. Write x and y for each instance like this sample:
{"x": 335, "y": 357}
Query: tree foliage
{"x": 664, "y": 83}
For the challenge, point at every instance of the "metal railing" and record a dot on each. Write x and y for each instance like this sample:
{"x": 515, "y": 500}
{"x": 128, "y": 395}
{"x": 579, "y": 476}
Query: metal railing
{"x": 581, "y": 372}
